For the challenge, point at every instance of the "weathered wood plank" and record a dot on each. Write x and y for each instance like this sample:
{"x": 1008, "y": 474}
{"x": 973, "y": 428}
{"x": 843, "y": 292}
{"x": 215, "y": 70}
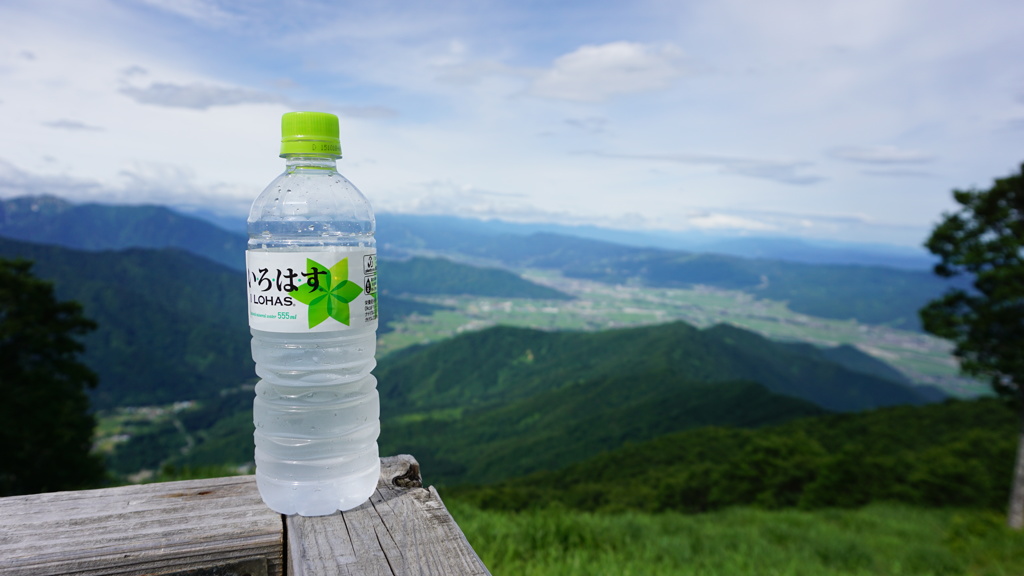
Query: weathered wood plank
{"x": 188, "y": 528}
{"x": 403, "y": 529}
{"x": 171, "y": 527}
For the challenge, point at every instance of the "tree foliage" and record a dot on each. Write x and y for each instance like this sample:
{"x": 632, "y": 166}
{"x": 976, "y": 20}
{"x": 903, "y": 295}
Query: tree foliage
{"x": 954, "y": 454}
{"x": 46, "y": 436}
{"x": 984, "y": 240}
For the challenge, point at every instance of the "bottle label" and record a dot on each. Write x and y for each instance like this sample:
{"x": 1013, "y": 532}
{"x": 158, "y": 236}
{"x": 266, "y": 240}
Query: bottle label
{"x": 312, "y": 291}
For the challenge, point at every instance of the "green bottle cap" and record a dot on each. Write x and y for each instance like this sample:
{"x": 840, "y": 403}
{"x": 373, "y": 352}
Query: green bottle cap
{"x": 314, "y": 133}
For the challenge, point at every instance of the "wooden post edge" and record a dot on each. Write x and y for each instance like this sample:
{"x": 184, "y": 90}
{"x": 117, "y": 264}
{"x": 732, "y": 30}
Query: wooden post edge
{"x": 221, "y": 526}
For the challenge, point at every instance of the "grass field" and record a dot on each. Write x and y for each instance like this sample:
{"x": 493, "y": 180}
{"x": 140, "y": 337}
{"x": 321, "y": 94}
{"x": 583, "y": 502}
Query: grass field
{"x": 887, "y": 540}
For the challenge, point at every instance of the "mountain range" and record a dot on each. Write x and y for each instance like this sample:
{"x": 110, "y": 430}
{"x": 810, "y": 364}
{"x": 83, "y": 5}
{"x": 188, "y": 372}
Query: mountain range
{"x": 91, "y": 227}
{"x": 868, "y": 294}
{"x": 172, "y": 325}
{"x": 167, "y": 291}
{"x": 764, "y": 247}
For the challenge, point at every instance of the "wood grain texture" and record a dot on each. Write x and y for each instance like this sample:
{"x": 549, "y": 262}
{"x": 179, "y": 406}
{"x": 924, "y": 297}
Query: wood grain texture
{"x": 404, "y": 529}
{"x": 189, "y": 528}
{"x": 146, "y": 529}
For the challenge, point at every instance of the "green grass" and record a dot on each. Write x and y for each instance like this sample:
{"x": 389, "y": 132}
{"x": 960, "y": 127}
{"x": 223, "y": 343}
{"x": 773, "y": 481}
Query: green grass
{"x": 882, "y": 539}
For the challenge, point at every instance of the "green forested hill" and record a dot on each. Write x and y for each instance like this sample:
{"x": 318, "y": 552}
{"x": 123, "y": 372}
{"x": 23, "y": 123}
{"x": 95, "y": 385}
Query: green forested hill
{"x": 553, "y": 428}
{"x": 854, "y": 359}
{"x": 958, "y": 453}
{"x": 172, "y": 326}
{"x": 503, "y": 363}
{"x": 507, "y": 401}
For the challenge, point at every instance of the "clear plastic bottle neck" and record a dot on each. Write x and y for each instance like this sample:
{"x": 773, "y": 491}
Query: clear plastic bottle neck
{"x": 306, "y": 162}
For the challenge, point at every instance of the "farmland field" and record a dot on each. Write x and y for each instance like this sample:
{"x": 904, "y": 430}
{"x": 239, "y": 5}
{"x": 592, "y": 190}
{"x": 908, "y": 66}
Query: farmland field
{"x": 597, "y": 306}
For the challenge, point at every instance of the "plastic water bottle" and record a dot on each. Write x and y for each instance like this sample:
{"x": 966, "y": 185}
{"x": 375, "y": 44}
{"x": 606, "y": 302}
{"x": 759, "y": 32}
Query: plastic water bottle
{"x": 311, "y": 267}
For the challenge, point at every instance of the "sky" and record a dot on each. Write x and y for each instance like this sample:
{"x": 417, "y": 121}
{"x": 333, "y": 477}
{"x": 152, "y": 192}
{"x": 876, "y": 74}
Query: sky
{"x": 818, "y": 119}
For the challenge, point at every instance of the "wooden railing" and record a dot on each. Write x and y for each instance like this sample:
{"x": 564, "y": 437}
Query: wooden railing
{"x": 220, "y": 527}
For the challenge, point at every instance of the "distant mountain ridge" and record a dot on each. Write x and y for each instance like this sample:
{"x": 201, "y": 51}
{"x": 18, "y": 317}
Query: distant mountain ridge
{"x": 51, "y": 220}
{"x": 869, "y": 294}
{"x": 762, "y": 247}
{"x": 93, "y": 227}
{"x": 152, "y": 226}
{"x": 805, "y": 252}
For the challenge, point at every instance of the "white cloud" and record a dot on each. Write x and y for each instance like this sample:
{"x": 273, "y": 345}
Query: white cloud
{"x": 136, "y": 183}
{"x": 780, "y": 218}
{"x": 472, "y": 71}
{"x": 593, "y": 73}
{"x": 881, "y": 155}
{"x": 446, "y": 93}
{"x": 204, "y": 12}
{"x": 447, "y": 197}
{"x": 822, "y": 226}
{"x": 198, "y": 96}
{"x": 17, "y": 182}
{"x": 590, "y": 124}
{"x": 135, "y": 70}
{"x": 898, "y": 173}
{"x": 65, "y": 124}
{"x": 720, "y": 221}
{"x": 781, "y": 171}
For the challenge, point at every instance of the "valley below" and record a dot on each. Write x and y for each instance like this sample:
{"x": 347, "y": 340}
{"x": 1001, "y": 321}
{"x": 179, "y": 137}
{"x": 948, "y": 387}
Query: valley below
{"x": 921, "y": 358}
{"x": 144, "y": 442}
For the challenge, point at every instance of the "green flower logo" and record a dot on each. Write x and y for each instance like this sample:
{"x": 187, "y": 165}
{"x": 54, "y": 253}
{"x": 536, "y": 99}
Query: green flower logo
{"x": 327, "y": 292}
